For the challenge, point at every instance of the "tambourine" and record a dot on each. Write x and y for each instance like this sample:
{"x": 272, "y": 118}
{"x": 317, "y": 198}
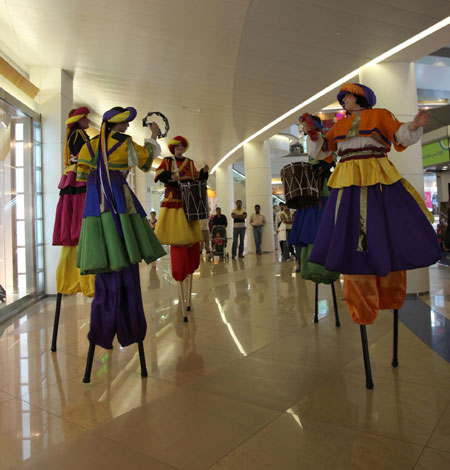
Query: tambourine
{"x": 145, "y": 123}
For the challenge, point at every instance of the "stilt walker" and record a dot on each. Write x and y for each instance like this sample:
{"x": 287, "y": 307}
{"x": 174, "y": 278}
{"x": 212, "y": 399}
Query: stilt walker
{"x": 173, "y": 228}
{"x": 306, "y": 224}
{"x": 375, "y": 226}
{"x": 69, "y": 213}
{"x": 115, "y": 234}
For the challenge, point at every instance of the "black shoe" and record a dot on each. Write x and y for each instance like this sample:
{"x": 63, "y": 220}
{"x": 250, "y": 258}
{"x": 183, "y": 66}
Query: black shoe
{"x": 233, "y": 257}
{"x": 241, "y": 256}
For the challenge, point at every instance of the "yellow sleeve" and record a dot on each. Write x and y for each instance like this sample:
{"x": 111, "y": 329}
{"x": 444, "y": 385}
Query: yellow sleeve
{"x": 87, "y": 159}
{"x": 83, "y": 172}
{"x": 390, "y": 125}
{"x": 145, "y": 155}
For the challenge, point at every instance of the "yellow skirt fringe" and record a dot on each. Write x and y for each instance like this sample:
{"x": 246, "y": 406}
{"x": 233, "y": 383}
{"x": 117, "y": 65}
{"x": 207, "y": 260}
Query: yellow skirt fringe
{"x": 173, "y": 228}
{"x": 364, "y": 172}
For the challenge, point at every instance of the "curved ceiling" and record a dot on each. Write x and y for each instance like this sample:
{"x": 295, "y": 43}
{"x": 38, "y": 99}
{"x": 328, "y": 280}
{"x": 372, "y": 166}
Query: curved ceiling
{"x": 218, "y": 69}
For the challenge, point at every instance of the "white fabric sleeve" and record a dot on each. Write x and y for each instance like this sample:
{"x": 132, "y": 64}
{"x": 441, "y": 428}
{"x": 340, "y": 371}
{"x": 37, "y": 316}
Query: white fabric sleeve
{"x": 314, "y": 148}
{"x": 406, "y": 137}
{"x": 155, "y": 145}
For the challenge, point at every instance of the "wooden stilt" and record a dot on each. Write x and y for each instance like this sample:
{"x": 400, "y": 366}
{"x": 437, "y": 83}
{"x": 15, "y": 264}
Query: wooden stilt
{"x": 395, "y": 351}
{"x": 365, "y": 348}
{"x": 142, "y": 359}
{"x": 335, "y": 306}
{"x": 56, "y": 322}
{"x": 89, "y": 361}
{"x": 316, "y": 303}
{"x": 189, "y": 293}
{"x": 182, "y": 300}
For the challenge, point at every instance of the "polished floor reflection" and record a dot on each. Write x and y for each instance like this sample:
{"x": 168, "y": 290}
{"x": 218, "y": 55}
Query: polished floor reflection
{"x": 249, "y": 383}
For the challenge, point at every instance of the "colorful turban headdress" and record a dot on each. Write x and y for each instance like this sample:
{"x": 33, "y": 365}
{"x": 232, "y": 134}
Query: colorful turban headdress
{"x": 359, "y": 90}
{"x": 117, "y": 116}
{"x": 179, "y": 139}
{"x": 74, "y": 116}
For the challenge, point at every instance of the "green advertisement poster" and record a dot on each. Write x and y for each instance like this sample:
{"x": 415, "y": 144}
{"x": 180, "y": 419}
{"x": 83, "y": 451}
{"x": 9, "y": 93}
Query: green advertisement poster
{"x": 435, "y": 153}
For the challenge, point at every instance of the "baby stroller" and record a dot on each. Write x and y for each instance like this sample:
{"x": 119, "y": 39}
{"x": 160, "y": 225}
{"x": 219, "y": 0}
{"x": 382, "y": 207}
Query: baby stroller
{"x": 218, "y": 242}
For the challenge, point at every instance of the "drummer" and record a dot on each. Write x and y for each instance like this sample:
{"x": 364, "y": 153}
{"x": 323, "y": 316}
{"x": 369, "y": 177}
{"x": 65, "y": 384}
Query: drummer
{"x": 172, "y": 227}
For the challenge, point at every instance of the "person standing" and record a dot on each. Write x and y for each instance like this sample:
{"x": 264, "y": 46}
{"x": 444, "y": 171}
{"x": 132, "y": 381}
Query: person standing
{"x": 115, "y": 234}
{"x": 257, "y": 221}
{"x": 173, "y": 228}
{"x": 284, "y": 231}
{"x": 69, "y": 212}
{"x": 278, "y": 223}
{"x": 375, "y": 225}
{"x": 204, "y": 244}
{"x": 238, "y": 215}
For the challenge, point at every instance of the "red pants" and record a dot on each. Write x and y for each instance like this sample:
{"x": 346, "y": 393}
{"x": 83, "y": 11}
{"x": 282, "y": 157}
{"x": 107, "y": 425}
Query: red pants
{"x": 366, "y": 294}
{"x": 185, "y": 260}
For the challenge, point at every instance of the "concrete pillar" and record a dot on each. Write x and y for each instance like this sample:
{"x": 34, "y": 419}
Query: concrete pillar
{"x": 225, "y": 194}
{"x": 56, "y": 100}
{"x": 258, "y": 190}
{"x": 394, "y": 85}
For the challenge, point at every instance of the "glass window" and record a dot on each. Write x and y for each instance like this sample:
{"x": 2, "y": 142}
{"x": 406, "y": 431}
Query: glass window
{"x": 19, "y": 154}
{"x": 38, "y": 206}
{"x": 19, "y": 180}
{"x": 20, "y": 206}
{"x": 19, "y": 131}
{"x": 17, "y": 241}
{"x": 20, "y": 233}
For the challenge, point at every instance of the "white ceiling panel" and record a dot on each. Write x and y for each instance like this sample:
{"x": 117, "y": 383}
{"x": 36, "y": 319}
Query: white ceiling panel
{"x": 218, "y": 69}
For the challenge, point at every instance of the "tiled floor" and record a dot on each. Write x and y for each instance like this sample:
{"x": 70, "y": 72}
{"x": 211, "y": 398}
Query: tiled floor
{"x": 249, "y": 383}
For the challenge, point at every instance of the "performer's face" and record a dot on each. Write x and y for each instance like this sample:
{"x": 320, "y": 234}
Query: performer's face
{"x": 350, "y": 103}
{"x": 179, "y": 149}
{"x": 84, "y": 122}
{"x": 122, "y": 126}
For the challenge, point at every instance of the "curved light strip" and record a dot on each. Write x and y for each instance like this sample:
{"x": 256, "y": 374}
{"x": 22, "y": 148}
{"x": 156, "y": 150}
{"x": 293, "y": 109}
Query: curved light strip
{"x": 344, "y": 79}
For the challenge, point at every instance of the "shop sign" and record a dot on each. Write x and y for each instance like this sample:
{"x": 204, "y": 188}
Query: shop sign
{"x": 435, "y": 153}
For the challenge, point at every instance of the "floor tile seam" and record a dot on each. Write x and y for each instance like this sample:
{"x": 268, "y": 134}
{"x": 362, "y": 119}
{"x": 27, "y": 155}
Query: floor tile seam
{"x": 403, "y": 381}
{"x": 246, "y": 439}
{"x": 368, "y": 431}
{"x": 419, "y": 457}
{"x": 439, "y": 450}
{"x": 265, "y": 406}
{"x": 52, "y": 413}
{"x": 437, "y": 424}
{"x": 115, "y": 443}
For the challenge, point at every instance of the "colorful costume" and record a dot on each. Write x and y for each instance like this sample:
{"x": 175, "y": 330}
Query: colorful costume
{"x": 115, "y": 234}
{"x": 306, "y": 224}
{"x": 69, "y": 212}
{"x": 370, "y": 209}
{"x": 172, "y": 227}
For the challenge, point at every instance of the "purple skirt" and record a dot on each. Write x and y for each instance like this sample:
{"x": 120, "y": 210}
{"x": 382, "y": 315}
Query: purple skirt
{"x": 398, "y": 235}
{"x": 306, "y": 224}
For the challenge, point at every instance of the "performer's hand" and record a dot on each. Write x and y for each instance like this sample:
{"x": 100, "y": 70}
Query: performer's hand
{"x": 175, "y": 177}
{"x": 420, "y": 120}
{"x": 155, "y": 129}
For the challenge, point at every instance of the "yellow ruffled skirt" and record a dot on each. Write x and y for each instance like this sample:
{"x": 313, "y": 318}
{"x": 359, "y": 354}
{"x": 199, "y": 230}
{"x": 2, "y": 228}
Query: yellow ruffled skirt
{"x": 173, "y": 228}
{"x": 69, "y": 281}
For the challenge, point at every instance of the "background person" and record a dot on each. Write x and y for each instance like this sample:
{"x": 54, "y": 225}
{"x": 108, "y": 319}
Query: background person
{"x": 238, "y": 215}
{"x": 257, "y": 221}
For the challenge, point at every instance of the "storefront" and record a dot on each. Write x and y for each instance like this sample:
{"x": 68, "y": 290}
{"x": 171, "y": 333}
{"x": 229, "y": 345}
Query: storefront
{"x": 21, "y": 217}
